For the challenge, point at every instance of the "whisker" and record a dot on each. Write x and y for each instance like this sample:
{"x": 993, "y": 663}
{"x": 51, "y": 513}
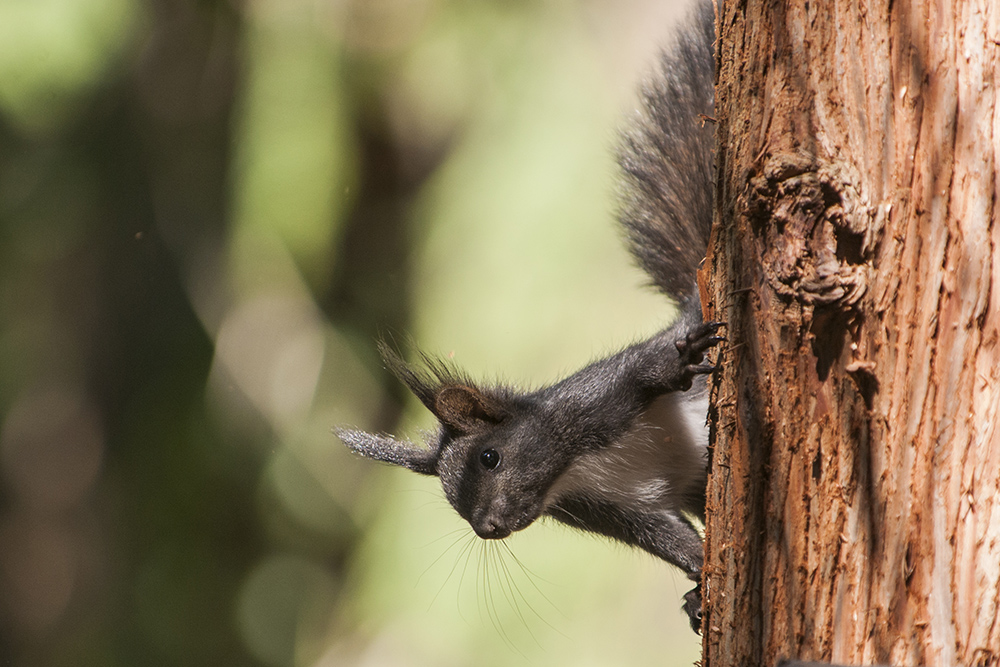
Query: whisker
{"x": 435, "y": 561}
{"x": 493, "y": 571}
{"x": 531, "y": 576}
{"x": 430, "y": 492}
{"x": 490, "y": 551}
{"x": 512, "y": 592}
{"x": 464, "y": 530}
{"x": 467, "y": 547}
{"x": 570, "y": 515}
{"x": 435, "y": 502}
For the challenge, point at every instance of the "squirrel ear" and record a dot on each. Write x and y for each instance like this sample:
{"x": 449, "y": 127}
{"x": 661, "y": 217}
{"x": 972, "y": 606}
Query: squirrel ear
{"x": 464, "y": 409}
{"x": 390, "y": 450}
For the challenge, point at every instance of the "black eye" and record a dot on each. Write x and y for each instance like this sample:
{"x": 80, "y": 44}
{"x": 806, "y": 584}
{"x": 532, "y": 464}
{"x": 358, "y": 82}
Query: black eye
{"x": 490, "y": 458}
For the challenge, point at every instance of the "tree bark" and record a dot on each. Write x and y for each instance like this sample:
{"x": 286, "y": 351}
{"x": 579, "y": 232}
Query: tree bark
{"x": 854, "y": 498}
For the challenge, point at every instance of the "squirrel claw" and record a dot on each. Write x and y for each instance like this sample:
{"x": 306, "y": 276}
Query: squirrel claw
{"x": 692, "y": 347}
{"x": 692, "y": 605}
{"x": 700, "y": 338}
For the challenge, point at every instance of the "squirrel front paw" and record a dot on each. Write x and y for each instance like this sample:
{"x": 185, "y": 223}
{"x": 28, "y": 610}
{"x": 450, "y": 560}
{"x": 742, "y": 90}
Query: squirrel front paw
{"x": 692, "y": 605}
{"x": 692, "y": 349}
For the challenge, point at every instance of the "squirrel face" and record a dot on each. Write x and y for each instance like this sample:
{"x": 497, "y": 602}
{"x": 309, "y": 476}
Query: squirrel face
{"x": 494, "y": 473}
{"x": 490, "y": 452}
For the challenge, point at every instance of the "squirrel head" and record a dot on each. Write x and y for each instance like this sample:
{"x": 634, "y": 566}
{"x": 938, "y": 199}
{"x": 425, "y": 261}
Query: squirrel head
{"x": 489, "y": 450}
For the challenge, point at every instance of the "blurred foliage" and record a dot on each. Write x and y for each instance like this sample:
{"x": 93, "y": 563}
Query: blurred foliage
{"x": 209, "y": 212}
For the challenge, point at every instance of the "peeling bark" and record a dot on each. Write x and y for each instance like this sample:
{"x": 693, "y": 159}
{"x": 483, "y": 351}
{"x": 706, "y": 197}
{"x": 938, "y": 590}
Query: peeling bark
{"x": 854, "y": 499}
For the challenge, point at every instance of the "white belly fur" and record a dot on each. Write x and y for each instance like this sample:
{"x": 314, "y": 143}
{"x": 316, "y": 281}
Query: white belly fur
{"x": 654, "y": 465}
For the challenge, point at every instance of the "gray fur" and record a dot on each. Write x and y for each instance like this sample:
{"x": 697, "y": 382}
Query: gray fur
{"x": 667, "y": 160}
{"x": 658, "y": 465}
{"x": 618, "y": 448}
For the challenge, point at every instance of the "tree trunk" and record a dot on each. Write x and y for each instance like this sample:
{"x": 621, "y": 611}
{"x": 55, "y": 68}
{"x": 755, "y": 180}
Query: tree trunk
{"x": 854, "y": 499}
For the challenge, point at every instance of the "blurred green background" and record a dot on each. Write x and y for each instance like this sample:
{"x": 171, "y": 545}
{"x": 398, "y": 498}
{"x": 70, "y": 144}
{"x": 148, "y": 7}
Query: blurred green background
{"x": 209, "y": 213}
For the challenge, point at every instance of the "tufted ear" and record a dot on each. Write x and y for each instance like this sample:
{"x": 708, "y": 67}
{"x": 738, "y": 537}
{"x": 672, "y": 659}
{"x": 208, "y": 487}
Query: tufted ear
{"x": 390, "y": 450}
{"x": 454, "y": 399}
{"x": 464, "y": 409}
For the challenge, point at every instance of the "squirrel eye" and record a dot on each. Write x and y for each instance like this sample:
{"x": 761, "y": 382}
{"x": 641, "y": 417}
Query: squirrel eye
{"x": 490, "y": 458}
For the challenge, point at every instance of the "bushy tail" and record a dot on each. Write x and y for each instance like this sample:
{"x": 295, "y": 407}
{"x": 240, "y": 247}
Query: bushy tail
{"x": 667, "y": 159}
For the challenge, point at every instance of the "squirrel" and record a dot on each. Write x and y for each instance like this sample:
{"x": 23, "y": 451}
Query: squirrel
{"x": 620, "y": 447}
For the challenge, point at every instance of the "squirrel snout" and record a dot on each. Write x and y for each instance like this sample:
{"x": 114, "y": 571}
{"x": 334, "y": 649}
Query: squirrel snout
{"x": 491, "y": 530}
{"x": 496, "y": 523}
{"x": 490, "y": 527}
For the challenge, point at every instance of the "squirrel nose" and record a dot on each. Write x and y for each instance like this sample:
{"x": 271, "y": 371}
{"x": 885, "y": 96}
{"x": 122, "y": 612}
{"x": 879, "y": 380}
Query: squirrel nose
{"x": 491, "y": 529}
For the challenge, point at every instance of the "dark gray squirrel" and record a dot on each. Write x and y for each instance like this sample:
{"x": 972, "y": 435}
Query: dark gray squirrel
{"x": 620, "y": 447}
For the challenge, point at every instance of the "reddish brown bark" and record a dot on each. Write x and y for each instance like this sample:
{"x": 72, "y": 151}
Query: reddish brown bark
{"x": 854, "y": 500}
